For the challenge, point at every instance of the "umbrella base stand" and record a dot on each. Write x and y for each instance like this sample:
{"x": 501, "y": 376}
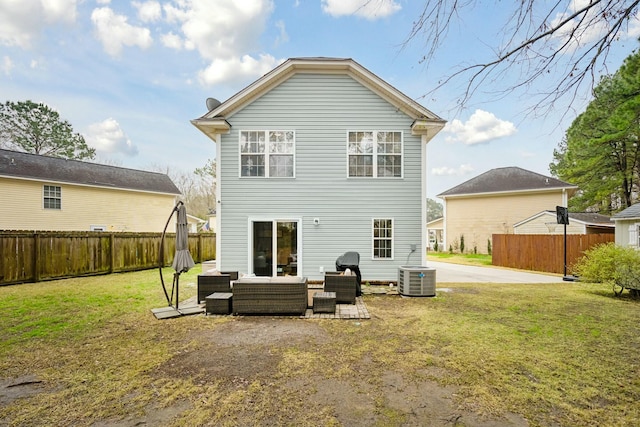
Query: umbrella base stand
{"x": 171, "y": 312}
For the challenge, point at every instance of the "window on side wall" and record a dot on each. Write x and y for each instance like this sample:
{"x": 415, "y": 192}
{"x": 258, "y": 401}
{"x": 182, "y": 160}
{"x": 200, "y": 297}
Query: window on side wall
{"x": 375, "y": 154}
{"x": 382, "y": 238}
{"x": 268, "y": 154}
{"x": 52, "y": 197}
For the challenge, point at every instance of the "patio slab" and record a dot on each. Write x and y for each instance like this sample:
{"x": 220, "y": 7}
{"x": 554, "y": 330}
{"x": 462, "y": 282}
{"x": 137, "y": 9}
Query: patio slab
{"x": 343, "y": 311}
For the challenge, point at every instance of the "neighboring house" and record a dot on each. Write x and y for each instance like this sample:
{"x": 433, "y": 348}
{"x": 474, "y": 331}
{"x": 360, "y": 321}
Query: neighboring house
{"x": 195, "y": 223}
{"x": 435, "y": 231}
{"x": 494, "y": 201}
{"x": 50, "y": 193}
{"x": 546, "y": 222}
{"x": 627, "y": 223}
{"x": 316, "y": 158}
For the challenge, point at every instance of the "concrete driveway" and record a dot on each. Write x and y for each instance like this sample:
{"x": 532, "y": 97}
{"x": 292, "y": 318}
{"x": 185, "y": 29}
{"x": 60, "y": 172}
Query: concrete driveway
{"x": 457, "y": 273}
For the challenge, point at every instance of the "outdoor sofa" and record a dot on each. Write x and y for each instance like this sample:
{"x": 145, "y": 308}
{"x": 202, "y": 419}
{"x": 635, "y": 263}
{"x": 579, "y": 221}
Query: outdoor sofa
{"x": 270, "y": 295}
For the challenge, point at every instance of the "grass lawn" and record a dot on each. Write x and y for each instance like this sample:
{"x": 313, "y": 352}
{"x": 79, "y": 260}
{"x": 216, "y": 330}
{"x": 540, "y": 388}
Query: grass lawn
{"x": 562, "y": 354}
{"x": 469, "y": 259}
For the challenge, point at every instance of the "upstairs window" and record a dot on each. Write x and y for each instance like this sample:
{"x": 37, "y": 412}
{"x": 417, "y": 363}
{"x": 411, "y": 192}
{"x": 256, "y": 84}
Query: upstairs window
{"x": 375, "y": 154}
{"x": 382, "y": 238}
{"x": 52, "y": 197}
{"x": 267, "y": 154}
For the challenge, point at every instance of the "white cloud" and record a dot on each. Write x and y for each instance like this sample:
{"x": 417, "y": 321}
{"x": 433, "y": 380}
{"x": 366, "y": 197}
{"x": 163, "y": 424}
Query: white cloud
{"x": 7, "y": 65}
{"x": 446, "y": 171}
{"x": 114, "y": 32}
{"x": 236, "y": 69}
{"x": 22, "y": 21}
{"x": 220, "y": 28}
{"x": 224, "y": 33}
{"x": 481, "y": 127}
{"x": 369, "y": 9}
{"x": 283, "y": 37}
{"x": 148, "y": 11}
{"x": 172, "y": 41}
{"x": 108, "y": 137}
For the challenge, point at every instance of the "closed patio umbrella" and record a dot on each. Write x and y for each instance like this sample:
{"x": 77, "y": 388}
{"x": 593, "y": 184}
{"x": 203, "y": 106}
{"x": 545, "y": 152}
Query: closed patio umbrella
{"x": 182, "y": 260}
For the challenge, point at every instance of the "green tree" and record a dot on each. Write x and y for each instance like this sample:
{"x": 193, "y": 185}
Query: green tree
{"x": 434, "y": 210}
{"x": 600, "y": 152}
{"x": 36, "y": 128}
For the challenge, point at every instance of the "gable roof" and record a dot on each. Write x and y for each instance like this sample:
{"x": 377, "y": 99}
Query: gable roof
{"x": 14, "y": 164}
{"x": 632, "y": 212}
{"x": 587, "y": 218}
{"x": 214, "y": 121}
{"x": 507, "y": 180}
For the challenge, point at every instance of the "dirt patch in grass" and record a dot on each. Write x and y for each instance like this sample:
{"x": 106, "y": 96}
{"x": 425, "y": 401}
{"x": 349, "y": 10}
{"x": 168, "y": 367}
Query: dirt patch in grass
{"x": 250, "y": 350}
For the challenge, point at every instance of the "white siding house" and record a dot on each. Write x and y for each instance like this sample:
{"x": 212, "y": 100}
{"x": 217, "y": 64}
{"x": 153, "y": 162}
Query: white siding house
{"x": 627, "y": 224}
{"x": 316, "y": 158}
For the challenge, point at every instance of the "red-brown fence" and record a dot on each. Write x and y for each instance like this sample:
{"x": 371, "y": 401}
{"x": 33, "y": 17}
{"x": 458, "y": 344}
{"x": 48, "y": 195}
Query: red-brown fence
{"x": 538, "y": 252}
{"x": 27, "y": 256}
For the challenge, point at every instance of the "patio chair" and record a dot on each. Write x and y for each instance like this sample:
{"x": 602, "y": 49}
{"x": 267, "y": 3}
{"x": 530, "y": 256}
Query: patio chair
{"x": 344, "y": 286}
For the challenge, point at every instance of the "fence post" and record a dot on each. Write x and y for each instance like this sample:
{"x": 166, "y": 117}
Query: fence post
{"x": 112, "y": 252}
{"x": 36, "y": 257}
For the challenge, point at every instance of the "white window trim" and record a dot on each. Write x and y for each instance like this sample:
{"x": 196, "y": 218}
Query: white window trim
{"x": 43, "y": 197}
{"x": 266, "y": 154}
{"x": 375, "y": 155}
{"x": 274, "y": 220}
{"x": 373, "y": 239}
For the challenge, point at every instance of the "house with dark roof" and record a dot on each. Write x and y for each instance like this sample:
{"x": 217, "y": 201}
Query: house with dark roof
{"x": 316, "y": 158}
{"x": 50, "y": 193}
{"x": 627, "y": 223}
{"x": 546, "y": 222}
{"x": 492, "y": 202}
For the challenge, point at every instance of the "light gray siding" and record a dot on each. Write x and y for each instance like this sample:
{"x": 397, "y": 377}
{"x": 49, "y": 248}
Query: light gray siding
{"x": 321, "y": 109}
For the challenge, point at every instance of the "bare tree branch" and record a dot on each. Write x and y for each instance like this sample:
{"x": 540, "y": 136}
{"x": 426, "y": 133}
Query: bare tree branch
{"x": 555, "y": 46}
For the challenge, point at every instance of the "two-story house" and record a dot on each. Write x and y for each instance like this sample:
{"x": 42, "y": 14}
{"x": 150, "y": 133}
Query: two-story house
{"x": 50, "y": 193}
{"x": 492, "y": 202}
{"x": 316, "y": 158}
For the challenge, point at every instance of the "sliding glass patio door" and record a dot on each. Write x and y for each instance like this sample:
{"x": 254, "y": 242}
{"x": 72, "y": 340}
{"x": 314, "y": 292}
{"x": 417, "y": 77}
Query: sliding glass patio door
{"x": 275, "y": 248}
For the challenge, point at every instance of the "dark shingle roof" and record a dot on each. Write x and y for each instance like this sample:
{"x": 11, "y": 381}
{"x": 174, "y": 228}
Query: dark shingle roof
{"x": 590, "y": 218}
{"x": 631, "y": 212}
{"x": 509, "y": 179}
{"x": 52, "y": 169}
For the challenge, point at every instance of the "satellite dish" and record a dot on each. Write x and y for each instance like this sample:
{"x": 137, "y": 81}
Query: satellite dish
{"x": 212, "y": 103}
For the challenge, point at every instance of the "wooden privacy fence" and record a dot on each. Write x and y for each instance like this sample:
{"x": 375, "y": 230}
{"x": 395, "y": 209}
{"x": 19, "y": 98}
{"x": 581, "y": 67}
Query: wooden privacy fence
{"x": 539, "y": 252}
{"x": 27, "y": 256}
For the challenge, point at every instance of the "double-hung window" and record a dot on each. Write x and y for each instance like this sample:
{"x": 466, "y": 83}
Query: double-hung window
{"x": 375, "y": 154}
{"x": 382, "y": 238}
{"x": 52, "y": 197}
{"x": 267, "y": 154}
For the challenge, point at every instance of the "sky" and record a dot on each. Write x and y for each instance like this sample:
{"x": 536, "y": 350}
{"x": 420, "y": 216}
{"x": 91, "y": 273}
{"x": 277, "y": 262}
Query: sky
{"x": 131, "y": 75}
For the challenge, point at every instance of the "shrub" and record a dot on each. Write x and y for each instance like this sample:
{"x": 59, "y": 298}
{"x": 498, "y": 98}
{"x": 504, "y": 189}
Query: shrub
{"x": 435, "y": 246}
{"x": 489, "y": 246}
{"x": 462, "y": 243}
{"x": 612, "y": 264}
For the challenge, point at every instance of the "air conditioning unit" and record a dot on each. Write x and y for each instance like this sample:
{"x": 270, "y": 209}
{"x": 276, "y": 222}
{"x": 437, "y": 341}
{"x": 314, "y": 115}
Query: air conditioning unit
{"x": 414, "y": 281}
